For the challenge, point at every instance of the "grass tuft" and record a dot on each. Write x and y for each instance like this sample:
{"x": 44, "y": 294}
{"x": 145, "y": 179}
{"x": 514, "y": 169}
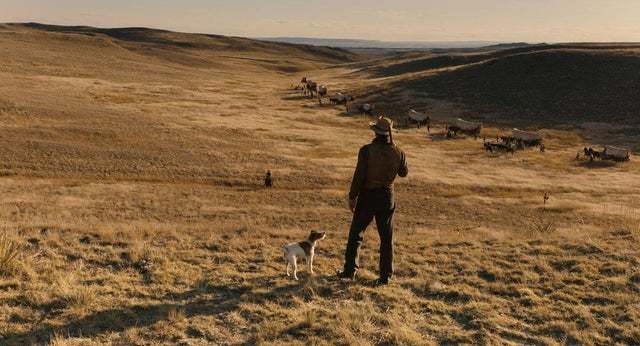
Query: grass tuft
{"x": 75, "y": 296}
{"x": 542, "y": 224}
{"x": 9, "y": 254}
{"x": 310, "y": 318}
{"x": 176, "y": 315}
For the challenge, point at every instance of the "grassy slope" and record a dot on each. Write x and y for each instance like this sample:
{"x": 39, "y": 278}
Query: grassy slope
{"x": 131, "y": 179}
{"x": 593, "y": 88}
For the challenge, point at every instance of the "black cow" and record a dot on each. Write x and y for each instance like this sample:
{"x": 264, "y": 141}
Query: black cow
{"x": 311, "y": 88}
{"x": 592, "y": 154}
{"x": 365, "y": 108}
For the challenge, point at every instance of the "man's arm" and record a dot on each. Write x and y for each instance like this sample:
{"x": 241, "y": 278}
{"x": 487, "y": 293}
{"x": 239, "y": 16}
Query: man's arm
{"x": 357, "y": 183}
{"x": 404, "y": 170}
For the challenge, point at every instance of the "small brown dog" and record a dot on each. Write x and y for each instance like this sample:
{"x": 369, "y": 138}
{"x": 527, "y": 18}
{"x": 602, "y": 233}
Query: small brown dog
{"x": 304, "y": 249}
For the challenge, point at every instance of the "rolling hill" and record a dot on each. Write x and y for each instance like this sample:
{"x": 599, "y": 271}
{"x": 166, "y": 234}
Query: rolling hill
{"x": 566, "y": 86}
{"x": 374, "y": 44}
{"x": 194, "y": 50}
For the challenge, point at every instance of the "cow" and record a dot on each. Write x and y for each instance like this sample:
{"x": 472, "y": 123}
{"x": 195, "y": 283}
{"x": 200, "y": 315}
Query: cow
{"x": 616, "y": 154}
{"x": 365, "y": 108}
{"x": 335, "y": 98}
{"x": 311, "y": 88}
{"x": 419, "y": 119}
{"x": 322, "y": 92}
{"x": 509, "y": 140}
{"x": 497, "y": 147}
{"x": 341, "y": 99}
{"x": 453, "y": 131}
{"x": 464, "y": 127}
{"x": 592, "y": 154}
{"x": 302, "y": 86}
{"x": 526, "y": 139}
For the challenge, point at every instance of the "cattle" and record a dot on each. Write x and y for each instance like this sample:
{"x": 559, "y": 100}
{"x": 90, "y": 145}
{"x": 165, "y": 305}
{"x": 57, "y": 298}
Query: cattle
{"x": 615, "y": 154}
{"x": 322, "y": 92}
{"x": 464, "y": 127}
{"x": 341, "y": 99}
{"x": 499, "y": 147}
{"x": 420, "y": 119}
{"x": 521, "y": 139}
{"x": 310, "y": 88}
{"x": 608, "y": 153}
{"x": 335, "y": 98}
{"x": 303, "y": 85}
{"x": 527, "y": 138}
{"x": 592, "y": 154}
{"x": 366, "y": 108}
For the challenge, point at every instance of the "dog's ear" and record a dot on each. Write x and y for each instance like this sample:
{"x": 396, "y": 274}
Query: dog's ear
{"x": 317, "y": 234}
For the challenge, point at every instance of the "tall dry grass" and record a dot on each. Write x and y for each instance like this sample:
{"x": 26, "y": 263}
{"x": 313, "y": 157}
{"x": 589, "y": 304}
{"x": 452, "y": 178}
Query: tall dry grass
{"x": 10, "y": 251}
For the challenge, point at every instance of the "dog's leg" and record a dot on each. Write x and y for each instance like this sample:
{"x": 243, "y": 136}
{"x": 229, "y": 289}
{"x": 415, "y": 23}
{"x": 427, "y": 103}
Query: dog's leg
{"x": 295, "y": 268}
{"x": 286, "y": 259}
{"x": 310, "y": 263}
{"x": 288, "y": 266}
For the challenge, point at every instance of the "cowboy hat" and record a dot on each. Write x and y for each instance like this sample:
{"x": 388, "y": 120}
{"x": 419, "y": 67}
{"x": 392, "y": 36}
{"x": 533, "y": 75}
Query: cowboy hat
{"x": 382, "y": 126}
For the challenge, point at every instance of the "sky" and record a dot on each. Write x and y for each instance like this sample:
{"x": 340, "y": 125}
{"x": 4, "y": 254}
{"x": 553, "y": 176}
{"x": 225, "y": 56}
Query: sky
{"x": 399, "y": 20}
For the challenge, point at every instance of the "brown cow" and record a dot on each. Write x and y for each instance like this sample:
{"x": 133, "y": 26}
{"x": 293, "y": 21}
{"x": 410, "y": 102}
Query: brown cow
{"x": 322, "y": 92}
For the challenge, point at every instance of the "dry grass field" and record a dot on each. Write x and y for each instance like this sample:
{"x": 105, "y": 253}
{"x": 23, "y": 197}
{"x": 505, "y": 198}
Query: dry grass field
{"x": 132, "y": 210}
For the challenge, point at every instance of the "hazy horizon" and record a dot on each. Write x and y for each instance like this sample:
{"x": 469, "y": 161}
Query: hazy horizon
{"x": 400, "y": 21}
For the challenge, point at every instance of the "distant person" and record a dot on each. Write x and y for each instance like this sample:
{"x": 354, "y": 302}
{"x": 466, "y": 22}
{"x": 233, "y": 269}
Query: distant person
{"x": 372, "y": 196}
{"x": 268, "y": 179}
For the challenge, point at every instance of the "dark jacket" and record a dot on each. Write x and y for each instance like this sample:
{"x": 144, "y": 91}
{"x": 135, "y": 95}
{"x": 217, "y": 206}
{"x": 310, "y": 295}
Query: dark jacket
{"x": 378, "y": 165}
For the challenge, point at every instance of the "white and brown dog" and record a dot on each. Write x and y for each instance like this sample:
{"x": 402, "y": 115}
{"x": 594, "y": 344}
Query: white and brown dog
{"x": 304, "y": 249}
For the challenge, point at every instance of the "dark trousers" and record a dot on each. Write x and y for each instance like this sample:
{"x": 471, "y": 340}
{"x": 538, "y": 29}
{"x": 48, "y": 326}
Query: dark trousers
{"x": 380, "y": 204}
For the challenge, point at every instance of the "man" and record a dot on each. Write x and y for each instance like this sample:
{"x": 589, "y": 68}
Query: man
{"x": 371, "y": 196}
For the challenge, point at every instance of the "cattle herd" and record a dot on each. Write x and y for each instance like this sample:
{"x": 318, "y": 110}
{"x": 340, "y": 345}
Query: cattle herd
{"x": 460, "y": 126}
{"x": 510, "y": 143}
{"x": 312, "y": 89}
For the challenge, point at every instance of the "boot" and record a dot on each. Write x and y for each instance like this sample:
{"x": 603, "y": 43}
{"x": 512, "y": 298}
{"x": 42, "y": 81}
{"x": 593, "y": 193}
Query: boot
{"x": 346, "y": 275}
{"x": 382, "y": 281}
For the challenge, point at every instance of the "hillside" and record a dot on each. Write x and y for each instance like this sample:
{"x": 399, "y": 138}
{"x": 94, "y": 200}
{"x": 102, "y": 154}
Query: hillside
{"x": 375, "y": 44}
{"x": 565, "y": 86}
{"x": 141, "y": 44}
{"x": 134, "y": 212}
{"x": 88, "y": 95}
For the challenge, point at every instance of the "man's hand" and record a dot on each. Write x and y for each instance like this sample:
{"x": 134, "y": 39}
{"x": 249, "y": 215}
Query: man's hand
{"x": 352, "y": 205}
